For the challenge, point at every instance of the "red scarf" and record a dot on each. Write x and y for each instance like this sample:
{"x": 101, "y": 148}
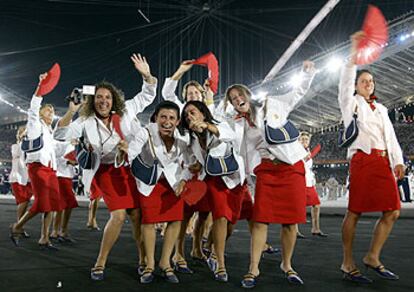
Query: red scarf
{"x": 245, "y": 116}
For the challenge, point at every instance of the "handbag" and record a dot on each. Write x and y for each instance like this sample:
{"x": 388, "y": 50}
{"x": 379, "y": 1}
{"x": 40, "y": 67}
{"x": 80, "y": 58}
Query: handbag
{"x": 346, "y": 136}
{"x": 85, "y": 156}
{"x": 33, "y": 145}
{"x": 286, "y": 134}
{"x": 221, "y": 165}
{"x": 146, "y": 173}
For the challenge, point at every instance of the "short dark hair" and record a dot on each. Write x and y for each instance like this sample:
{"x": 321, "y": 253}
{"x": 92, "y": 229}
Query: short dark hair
{"x": 165, "y": 105}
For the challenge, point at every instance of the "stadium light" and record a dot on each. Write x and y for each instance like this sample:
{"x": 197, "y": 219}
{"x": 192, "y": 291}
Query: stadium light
{"x": 334, "y": 64}
{"x": 296, "y": 80}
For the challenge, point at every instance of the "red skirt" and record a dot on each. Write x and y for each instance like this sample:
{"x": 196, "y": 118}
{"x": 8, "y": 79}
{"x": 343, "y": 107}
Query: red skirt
{"x": 66, "y": 193}
{"x": 280, "y": 193}
{"x": 162, "y": 205}
{"x": 118, "y": 187}
{"x": 312, "y": 198}
{"x": 372, "y": 185}
{"x": 22, "y": 193}
{"x": 247, "y": 206}
{"x": 95, "y": 192}
{"x": 224, "y": 202}
{"x": 202, "y": 206}
{"x": 45, "y": 187}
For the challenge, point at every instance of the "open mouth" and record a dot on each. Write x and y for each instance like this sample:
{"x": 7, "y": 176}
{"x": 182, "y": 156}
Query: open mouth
{"x": 166, "y": 127}
{"x": 242, "y": 104}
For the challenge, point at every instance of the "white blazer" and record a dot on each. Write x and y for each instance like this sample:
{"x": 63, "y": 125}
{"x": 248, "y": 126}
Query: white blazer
{"x": 276, "y": 111}
{"x": 170, "y": 163}
{"x": 35, "y": 127}
{"x": 309, "y": 175}
{"x": 63, "y": 168}
{"x": 90, "y": 125}
{"x": 18, "y": 172}
{"x": 348, "y": 102}
{"x": 218, "y": 146}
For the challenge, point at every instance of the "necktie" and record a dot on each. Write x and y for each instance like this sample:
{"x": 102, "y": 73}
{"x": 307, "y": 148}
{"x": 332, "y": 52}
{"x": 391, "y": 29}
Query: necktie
{"x": 245, "y": 116}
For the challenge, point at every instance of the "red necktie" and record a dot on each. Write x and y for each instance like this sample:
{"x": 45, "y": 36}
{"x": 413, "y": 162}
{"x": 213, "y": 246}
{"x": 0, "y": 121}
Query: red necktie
{"x": 245, "y": 116}
{"x": 372, "y": 106}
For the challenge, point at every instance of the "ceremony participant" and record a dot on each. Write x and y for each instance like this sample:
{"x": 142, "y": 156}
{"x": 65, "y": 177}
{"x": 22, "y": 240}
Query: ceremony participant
{"x": 19, "y": 177}
{"x": 159, "y": 198}
{"x": 280, "y": 185}
{"x": 41, "y": 166}
{"x": 312, "y": 197}
{"x": 65, "y": 173}
{"x": 106, "y": 126}
{"x": 225, "y": 192}
{"x": 376, "y": 162}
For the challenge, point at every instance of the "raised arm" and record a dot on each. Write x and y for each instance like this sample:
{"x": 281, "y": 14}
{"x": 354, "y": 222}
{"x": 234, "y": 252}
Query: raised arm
{"x": 34, "y": 127}
{"x": 290, "y": 99}
{"x": 149, "y": 88}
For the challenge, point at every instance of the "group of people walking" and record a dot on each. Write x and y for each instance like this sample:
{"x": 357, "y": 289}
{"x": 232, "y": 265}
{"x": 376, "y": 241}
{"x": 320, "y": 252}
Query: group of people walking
{"x": 143, "y": 171}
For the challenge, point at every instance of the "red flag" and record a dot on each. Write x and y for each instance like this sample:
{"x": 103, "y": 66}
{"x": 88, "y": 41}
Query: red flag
{"x": 315, "y": 151}
{"x": 376, "y": 36}
{"x": 50, "y": 82}
{"x": 211, "y": 62}
{"x": 194, "y": 191}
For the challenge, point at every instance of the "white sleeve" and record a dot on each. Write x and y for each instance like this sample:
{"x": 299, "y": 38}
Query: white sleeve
{"x": 72, "y": 131}
{"x": 143, "y": 99}
{"x": 227, "y": 134}
{"x": 293, "y": 97}
{"x": 138, "y": 141}
{"x": 168, "y": 92}
{"x": 34, "y": 126}
{"x": 346, "y": 91}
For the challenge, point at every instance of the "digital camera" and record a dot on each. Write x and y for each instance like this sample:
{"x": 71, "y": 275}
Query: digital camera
{"x": 78, "y": 94}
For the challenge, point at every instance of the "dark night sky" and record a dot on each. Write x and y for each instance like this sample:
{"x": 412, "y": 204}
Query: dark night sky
{"x": 92, "y": 40}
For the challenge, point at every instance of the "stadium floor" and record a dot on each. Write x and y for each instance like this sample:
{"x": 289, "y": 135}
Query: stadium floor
{"x": 26, "y": 268}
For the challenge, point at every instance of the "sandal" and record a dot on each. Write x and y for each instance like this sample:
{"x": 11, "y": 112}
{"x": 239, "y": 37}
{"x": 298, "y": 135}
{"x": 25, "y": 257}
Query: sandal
{"x": 249, "y": 281}
{"x": 14, "y": 236}
{"x": 169, "y": 276}
{"x": 97, "y": 273}
{"x": 221, "y": 275}
{"x": 356, "y": 277}
{"x": 182, "y": 267}
{"x": 141, "y": 269}
{"x": 147, "y": 276}
{"x": 382, "y": 272}
{"x": 212, "y": 262}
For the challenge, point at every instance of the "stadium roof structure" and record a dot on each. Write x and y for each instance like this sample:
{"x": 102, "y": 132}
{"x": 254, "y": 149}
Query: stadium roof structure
{"x": 393, "y": 72}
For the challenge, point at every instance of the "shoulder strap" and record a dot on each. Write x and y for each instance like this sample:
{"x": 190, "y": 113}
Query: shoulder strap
{"x": 151, "y": 144}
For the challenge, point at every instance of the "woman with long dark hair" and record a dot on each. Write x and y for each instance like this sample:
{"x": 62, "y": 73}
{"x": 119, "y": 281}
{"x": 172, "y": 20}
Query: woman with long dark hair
{"x": 376, "y": 162}
{"x": 225, "y": 192}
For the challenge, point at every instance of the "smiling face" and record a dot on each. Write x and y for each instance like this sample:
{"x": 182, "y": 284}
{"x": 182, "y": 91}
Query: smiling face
{"x": 239, "y": 101}
{"x": 192, "y": 113}
{"x": 365, "y": 85}
{"x": 193, "y": 93}
{"x": 167, "y": 120}
{"x": 47, "y": 114}
{"x": 103, "y": 102}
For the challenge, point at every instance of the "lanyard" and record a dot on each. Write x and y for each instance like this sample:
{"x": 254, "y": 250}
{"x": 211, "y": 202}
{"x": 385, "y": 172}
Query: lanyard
{"x": 100, "y": 137}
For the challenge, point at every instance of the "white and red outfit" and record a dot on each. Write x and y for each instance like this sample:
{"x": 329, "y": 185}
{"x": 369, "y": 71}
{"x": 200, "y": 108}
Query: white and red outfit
{"x": 374, "y": 153}
{"x": 312, "y": 198}
{"x": 116, "y": 183}
{"x": 280, "y": 184}
{"x": 159, "y": 202}
{"x": 41, "y": 164}
{"x": 225, "y": 194}
{"x": 19, "y": 178}
{"x": 65, "y": 174}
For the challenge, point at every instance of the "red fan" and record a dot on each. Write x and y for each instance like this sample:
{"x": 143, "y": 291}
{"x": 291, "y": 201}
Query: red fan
{"x": 50, "y": 82}
{"x": 315, "y": 151}
{"x": 376, "y": 36}
{"x": 211, "y": 62}
{"x": 194, "y": 191}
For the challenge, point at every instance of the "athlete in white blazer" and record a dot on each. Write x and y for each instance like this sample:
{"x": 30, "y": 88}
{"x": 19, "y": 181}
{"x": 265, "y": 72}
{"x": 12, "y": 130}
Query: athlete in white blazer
{"x": 160, "y": 140}
{"x": 99, "y": 127}
{"x": 249, "y": 128}
{"x": 376, "y": 162}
